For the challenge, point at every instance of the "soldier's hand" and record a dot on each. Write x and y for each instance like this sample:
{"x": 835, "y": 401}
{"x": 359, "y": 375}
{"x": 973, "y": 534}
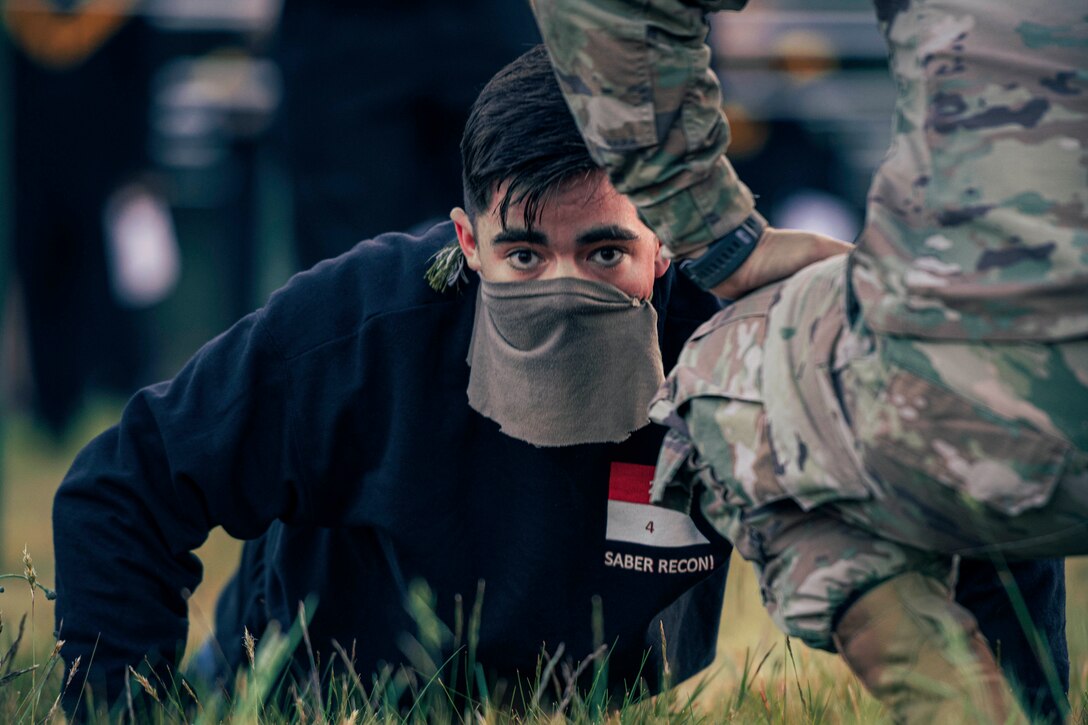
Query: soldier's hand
{"x": 779, "y": 253}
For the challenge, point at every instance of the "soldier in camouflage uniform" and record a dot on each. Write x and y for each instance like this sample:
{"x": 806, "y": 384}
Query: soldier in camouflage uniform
{"x": 858, "y": 425}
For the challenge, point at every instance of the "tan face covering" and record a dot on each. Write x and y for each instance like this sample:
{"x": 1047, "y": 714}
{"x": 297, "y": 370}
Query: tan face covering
{"x": 563, "y": 361}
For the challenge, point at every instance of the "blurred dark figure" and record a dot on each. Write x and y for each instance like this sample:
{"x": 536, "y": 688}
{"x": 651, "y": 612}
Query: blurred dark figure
{"x": 375, "y": 97}
{"x": 79, "y": 129}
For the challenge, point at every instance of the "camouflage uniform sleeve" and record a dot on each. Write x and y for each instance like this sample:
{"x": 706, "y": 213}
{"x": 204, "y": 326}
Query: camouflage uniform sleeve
{"x": 637, "y": 77}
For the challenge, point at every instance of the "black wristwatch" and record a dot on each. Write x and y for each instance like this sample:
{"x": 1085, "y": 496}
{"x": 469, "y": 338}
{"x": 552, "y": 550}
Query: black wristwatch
{"x": 724, "y": 255}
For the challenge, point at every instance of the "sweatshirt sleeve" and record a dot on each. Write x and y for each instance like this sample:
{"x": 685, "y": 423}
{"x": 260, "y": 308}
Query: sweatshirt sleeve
{"x": 211, "y": 447}
{"x": 637, "y": 77}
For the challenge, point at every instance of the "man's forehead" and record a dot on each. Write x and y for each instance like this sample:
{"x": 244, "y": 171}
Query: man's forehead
{"x": 586, "y": 236}
{"x": 511, "y": 206}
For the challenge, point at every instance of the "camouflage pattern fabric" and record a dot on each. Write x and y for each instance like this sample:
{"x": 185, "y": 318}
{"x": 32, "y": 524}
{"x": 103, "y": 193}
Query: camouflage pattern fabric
{"x": 922, "y": 655}
{"x": 978, "y": 448}
{"x": 977, "y": 224}
{"x": 958, "y": 448}
{"x": 835, "y": 459}
{"x": 809, "y": 562}
{"x": 925, "y": 396}
{"x": 637, "y": 78}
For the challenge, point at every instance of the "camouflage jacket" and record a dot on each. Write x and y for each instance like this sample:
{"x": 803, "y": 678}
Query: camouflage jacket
{"x": 977, "y": 222}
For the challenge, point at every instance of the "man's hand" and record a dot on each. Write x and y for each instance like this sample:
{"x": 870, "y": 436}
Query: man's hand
{"x": 779, "y": 253}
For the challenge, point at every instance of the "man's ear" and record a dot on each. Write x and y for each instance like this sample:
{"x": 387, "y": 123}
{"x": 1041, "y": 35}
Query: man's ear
{"x": 466, "y": 238}
{"x": 661, "y": 262}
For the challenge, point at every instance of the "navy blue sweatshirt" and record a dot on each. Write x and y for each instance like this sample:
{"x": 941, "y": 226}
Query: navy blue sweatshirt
{"x": 331, "y": 428}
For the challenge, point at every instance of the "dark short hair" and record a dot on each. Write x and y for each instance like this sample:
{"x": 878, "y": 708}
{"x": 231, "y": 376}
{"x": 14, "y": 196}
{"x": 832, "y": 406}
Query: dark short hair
{"x": 520, "y": 130}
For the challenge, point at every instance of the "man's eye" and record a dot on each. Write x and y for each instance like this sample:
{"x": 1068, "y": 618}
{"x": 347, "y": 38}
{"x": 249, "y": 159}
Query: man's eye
{"x": 607, "y": 256}
{"x": 523, "y": 259}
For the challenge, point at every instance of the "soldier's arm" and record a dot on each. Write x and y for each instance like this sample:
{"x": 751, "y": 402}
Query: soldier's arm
{"x": 211, "y": 447}
{"x": 637, "y": 77}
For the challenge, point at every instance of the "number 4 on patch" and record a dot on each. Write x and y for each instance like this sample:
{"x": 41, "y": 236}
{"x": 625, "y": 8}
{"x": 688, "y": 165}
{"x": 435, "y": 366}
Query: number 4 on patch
{"x": 650, "y": 527}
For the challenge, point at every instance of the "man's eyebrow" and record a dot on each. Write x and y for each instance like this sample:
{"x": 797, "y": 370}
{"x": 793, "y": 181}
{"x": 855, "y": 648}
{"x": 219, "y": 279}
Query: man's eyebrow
{"x": 518, "y": 235}
{"x": 607, "y": 233}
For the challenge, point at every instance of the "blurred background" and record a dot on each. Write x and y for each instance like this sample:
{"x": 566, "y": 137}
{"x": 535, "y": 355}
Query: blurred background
{"x": 166, "y": 164}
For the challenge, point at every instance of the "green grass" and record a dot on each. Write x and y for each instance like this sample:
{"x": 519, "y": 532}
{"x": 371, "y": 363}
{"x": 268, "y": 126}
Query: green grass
{"x": 771, "y": 689}
{"x": 758, "y": 677}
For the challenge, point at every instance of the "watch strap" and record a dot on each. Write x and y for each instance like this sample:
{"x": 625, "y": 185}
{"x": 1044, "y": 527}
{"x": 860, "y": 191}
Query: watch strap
{"x": 725, "y": 254}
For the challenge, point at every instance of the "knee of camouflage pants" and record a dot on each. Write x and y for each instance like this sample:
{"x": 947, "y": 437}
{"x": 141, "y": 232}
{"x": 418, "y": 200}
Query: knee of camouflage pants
{"x": 957, "y": 447}
{"x": 810, "y": 564}
{"x": 973, "y": 448}
{"x": 813, "y": 566}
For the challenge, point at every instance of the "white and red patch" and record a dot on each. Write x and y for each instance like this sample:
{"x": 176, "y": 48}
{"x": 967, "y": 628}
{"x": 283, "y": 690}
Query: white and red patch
{"x": 633, "y": 519}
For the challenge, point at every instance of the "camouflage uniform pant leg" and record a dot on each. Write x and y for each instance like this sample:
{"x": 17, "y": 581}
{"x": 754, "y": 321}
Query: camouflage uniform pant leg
{"x": 973, "y": 449}
{"x": 976, "y": 216}
{"x": 954, "y": 447}
{"x": 833, "y": 466}
{"x": 809, "y": 562}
